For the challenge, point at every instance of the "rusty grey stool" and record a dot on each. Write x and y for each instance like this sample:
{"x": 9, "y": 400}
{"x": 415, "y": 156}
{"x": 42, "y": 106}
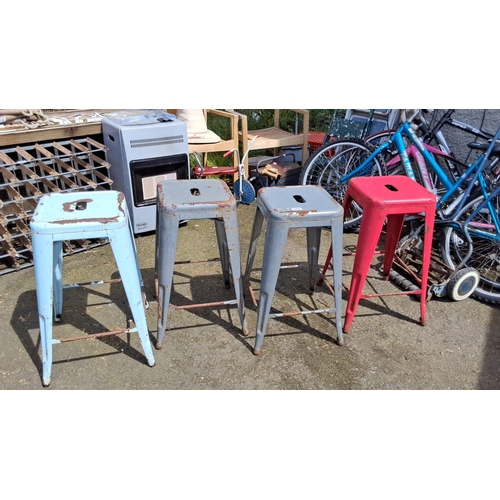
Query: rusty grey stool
{"x": 285, "y": 208}
{"x": 62, "y": 217}
{"x": 184, "y": 200}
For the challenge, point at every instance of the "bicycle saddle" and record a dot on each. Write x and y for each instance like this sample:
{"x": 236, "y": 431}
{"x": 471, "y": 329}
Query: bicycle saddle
{"x": 481, "y": 146}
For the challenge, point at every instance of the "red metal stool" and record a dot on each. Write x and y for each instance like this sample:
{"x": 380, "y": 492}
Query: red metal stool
{"x": 391, "y": 197}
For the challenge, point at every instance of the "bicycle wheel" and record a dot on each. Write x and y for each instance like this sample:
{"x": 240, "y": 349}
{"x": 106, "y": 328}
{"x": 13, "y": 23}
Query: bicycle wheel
{"x": 244, "y": 194}
{"x": 333, "y": 161}
{"x": 485, "y": 256}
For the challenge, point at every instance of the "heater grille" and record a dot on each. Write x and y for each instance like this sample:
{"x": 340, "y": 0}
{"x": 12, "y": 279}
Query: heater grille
{"x": 159, "y": 141}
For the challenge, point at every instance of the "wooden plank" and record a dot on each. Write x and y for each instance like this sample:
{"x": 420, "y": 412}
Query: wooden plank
{"x": 33, "y": 189}
{"x": 78, "y": 145}
{"x": 100, "y": 161}
{"x": 89, "y": 153}
{"x": 82, "y": 163}
{"x": 96, "y": 144}
{"x": 6, "y": 244}
{"x": 25, "y": 232}
{"x": 75, "y": 172}
{"x": 7, "y": 174}
{"x": 24, "y": 154}
{"x": 52, "y": 187}
{"x": 17, "y": 210}
{"x": 14, "y": 195}
{"x": 6, "y": 159}
{"x": 16, "y": 137}
{"x": 102, "y": 176}
{"x": 27, "y": 171}
{"x": 68, "y": 182}
{"x": 62, "y": 149}
{"x": 43, "y": 151}
{"x": 47, "y": 169}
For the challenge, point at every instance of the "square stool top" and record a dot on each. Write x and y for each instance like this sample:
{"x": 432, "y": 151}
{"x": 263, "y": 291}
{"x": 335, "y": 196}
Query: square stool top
{"x": 387, "y": 191}
{"x": 183, "y": 195}
{"x": 299, "y": 203}
{"x": 86, "y": 210}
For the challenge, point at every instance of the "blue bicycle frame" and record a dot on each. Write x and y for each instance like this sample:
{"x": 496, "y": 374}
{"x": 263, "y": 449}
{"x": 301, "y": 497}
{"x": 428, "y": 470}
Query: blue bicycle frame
{"x": 475, "y": 170}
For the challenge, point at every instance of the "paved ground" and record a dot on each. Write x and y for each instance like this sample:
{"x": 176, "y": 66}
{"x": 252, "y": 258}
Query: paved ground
{"x": 386, "y": 348}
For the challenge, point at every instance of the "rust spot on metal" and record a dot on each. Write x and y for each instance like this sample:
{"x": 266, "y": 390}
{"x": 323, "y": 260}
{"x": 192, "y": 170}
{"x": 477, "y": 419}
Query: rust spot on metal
{"x": 96, "y": 335}
{"x": 70, "y": 206}
{"x": 301, "y": 213}
{"x": 102, "y": 220}
{"x": 121, "y": 197}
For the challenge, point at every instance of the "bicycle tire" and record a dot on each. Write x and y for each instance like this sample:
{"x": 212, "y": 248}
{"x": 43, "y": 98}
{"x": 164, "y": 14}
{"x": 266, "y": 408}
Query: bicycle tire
{"x": 485, "y": 256}
{"x": 334, "y": 160}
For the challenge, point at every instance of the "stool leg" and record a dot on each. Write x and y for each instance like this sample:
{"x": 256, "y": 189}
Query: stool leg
{"x": 233, "y": 244}
{"x": 426, "y": 260}
{"x": 337, "y": 247}
{"x": 157, "y": 250}
{"x": 58, "y": 284}
{"x": 347, "y": 204}
{"x": 313, "y": 243}
{"x": 393, "y": 232}
{"x": 223, "y": 251}
{"x": 369, "y": 234}
{"x": 138, "y": 266}
{"x": 123, "y": 246}
{"x": 274, "y": 247}
{"x": 166, "y": 244}
{"x": 325, "y": 267}
{"x": 254, "y": 239}
{"x": 44, "y": 277}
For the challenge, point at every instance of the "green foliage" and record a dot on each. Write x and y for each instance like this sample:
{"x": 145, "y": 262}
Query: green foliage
{"x": 319, "y": 119}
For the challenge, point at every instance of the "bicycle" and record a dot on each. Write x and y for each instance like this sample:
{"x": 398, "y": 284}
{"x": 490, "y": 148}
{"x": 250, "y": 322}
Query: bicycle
{"x": 339, "y": 157}
{"x": 431, "y": 133}
{"x": 467, "y": 207}
{"x": 345, "y": 155}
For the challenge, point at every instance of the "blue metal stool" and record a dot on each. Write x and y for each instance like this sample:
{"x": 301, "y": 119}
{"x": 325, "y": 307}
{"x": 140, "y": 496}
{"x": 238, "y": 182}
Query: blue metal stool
{"x": 187, "y": 200}
{"x": 284, "y": 208}
{"x": 71, "y": 216}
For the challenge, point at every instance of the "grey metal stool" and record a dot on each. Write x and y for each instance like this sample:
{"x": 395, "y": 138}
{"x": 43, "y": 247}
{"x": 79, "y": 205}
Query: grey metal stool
{"x": 284, "y": 208}
{"x": 187, "y": 200}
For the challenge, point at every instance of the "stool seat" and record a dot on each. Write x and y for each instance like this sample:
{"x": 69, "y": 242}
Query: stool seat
{"x": 62, "y": 217}
{"x": 63, "y": 214}
{"x": 389, "y": 198}
{"x": 298, "y": 206}
{"x": 284, "y": 208}
{"x": 194, "y": 195}
{"x": 390, "y": 194}
{"x": 189, "y": 200}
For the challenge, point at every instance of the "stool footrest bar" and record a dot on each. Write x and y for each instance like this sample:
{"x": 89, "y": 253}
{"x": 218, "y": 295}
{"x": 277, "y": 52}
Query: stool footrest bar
{"x": 371, "y": 296}
{"x": 303, "y": 313}
{"x": 91, "y": 283}
{"x": 95, "y": 335}
{"x": 207, "y": 304}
